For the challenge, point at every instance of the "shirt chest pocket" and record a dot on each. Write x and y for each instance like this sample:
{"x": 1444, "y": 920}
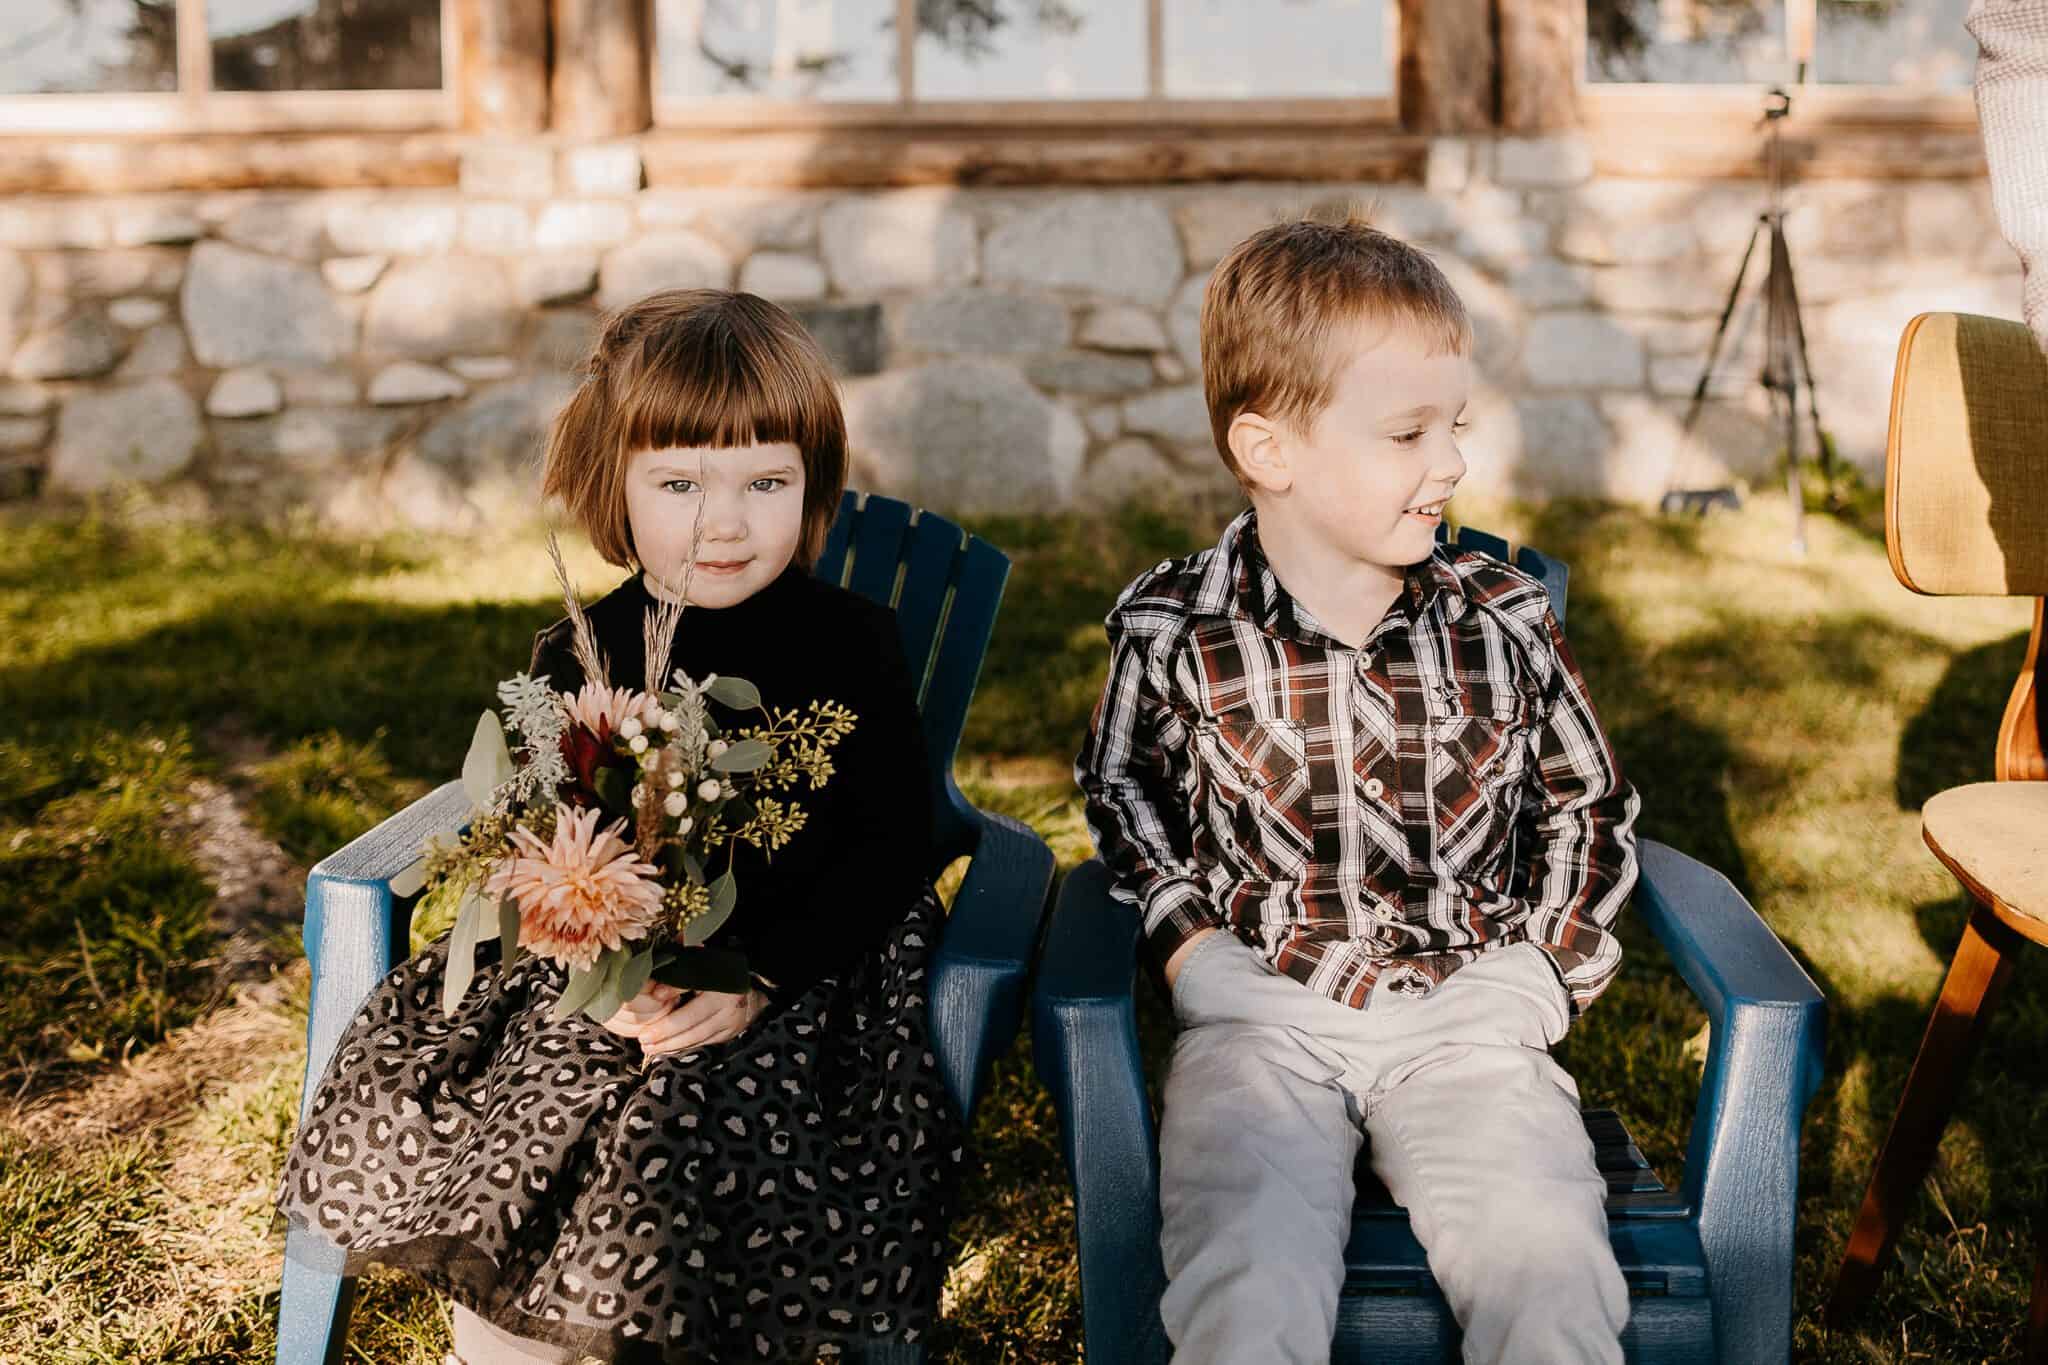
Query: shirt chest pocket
{"x": 1257, "y": 808}
{"x": 1485, "y": 740}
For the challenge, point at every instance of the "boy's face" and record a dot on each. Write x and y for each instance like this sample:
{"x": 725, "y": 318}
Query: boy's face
{"x": 742, "y": 507}
{"x": 1365, "y": 484}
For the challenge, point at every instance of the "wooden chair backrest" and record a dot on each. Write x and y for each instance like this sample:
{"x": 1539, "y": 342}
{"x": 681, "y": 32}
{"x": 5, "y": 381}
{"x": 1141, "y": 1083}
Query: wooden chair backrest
{"x": 1966, "y": 487}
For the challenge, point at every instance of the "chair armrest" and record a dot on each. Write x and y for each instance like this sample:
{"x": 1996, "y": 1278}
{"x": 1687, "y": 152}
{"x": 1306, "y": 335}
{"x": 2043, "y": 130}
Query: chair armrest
{"x": 351, "y": 933}
{"x": 1767, "y": 1032}
{"x": 984, "y": 957}
{"x": 1084, "y": 1037}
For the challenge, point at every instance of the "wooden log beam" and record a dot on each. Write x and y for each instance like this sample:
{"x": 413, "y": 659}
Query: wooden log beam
{"x": 502, "y": 80}
{"x": 1449, "y": 66}
{"x": 1540, "y": 43}
{"x": 603, "y": 52}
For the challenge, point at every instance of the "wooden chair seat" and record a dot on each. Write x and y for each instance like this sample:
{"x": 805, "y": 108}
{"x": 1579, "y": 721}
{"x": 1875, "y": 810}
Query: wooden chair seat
{"x": 1994, "y": 837}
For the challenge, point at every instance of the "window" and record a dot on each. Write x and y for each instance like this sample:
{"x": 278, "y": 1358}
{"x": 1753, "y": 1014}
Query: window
{"x": 849, "y": 60}
{"x": 1914, "y": 46}
{"x": 224, "y": 65}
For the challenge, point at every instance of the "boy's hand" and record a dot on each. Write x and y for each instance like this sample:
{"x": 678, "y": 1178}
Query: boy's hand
{"x": 1180, "y": 954}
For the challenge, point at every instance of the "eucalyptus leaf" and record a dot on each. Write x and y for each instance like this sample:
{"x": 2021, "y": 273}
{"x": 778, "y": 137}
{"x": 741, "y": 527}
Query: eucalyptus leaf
{"x": 737, "y": 693}
{"x": 576, "y": 992}
{"x": 606, "y": 1002}
{"x": 489, "y": 761}
{"x": 489, "y": 924}
{"x": 462, "y": 943}
{"x": 743, "y": 757}
{"x": 724, "y": 895}
{"x": 633, "y": 975}
{"x": 508, "y": 930}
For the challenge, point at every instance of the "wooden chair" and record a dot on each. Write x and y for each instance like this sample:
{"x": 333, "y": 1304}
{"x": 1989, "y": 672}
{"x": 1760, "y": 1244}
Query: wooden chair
{"x": 1966, "y": 514}
{"x": 1709, "y": 1265}
{"x": 945, "y": 587}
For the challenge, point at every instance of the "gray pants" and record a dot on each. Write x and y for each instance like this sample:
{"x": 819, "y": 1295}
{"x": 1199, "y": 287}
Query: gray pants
{"x": 1474, "y": 1129}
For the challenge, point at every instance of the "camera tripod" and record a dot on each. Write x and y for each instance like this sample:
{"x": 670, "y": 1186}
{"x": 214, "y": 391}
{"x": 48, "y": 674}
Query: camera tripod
{"x": 1785, "y": 366}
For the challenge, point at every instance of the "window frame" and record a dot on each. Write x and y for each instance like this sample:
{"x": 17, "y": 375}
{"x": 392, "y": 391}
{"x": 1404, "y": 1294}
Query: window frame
{"x": 196, "y": 107}
{"x": 1623, "y": 102}
{"x": 908, "y": 111}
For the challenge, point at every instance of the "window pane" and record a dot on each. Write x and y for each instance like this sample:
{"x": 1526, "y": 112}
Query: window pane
{"x": 1030, "y": 49}
{"x": 1282, "y": 49}
{"x": 90, "y": 46}
{"x": 776, "y": 49}
{"x": 325, "y": 44}
{"x": 1687, "y": 42}
{"x": 1918, "y": 44}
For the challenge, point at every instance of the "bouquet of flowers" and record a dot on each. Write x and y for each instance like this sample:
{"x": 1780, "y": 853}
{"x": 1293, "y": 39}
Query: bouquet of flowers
{"x": 597, "y": 816}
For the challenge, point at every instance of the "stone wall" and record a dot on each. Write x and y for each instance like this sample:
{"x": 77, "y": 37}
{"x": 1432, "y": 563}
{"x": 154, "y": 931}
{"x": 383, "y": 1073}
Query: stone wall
{"x": 392, "y": 357}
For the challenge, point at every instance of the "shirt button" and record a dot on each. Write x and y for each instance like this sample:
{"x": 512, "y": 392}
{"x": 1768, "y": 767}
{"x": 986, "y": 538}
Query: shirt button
{"x": 1375, "y": 788}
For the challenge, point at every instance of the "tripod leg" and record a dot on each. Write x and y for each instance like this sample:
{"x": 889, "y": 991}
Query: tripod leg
{"x": 1699, "y": 393}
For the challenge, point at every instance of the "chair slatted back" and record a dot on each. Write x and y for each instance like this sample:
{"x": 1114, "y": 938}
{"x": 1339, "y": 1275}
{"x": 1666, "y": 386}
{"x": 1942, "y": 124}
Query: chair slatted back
{"x": 1553, "y": 574}
{"x": 944, "y": 586}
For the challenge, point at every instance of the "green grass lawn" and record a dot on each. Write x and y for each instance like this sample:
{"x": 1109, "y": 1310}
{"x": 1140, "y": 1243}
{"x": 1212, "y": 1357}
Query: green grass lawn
{"x": 1784, "y": 718}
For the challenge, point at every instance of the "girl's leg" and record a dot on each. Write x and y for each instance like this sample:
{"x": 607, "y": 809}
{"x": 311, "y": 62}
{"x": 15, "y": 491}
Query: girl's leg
{"x": 481, "y": 1342}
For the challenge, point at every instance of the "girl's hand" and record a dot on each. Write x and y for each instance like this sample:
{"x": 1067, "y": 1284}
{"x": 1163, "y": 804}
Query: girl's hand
{"x": 653, "y": 1003}
{"x": 705, "y": 1018}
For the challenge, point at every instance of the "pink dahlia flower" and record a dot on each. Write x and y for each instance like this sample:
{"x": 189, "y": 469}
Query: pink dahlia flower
{"x": 581, "y": 894}
{"x": 599, "y": 709}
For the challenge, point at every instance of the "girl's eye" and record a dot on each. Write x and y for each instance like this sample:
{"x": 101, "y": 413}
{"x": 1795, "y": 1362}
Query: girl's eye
{"x": 767, "y": 485}
{"x": 1460, "y": 425}
{"x": 1408, "y": 438}
{"x": 679, "y": 486}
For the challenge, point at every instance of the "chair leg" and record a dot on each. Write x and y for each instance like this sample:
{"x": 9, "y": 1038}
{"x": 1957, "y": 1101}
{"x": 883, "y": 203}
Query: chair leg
{"x": 1976, "y": 976}
{"x": 313, "y": 1307}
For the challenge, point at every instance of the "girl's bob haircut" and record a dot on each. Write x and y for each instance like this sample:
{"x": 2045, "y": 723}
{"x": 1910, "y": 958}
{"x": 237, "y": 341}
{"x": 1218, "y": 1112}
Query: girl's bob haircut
{"x": 695, "y": 367}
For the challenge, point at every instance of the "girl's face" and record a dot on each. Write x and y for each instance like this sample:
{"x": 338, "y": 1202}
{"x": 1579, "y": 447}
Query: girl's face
{"x": 737, "y": 512}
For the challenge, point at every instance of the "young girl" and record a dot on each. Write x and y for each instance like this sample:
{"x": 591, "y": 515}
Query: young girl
{"x": 705, "y": 1176}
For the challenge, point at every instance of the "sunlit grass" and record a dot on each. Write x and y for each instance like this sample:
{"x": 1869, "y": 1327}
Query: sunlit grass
{"x": 1784, "y": 717}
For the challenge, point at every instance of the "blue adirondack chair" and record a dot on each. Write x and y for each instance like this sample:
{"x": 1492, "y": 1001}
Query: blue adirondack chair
{"x": 945, "y": 587}
{"x": 1709, "y": 1265}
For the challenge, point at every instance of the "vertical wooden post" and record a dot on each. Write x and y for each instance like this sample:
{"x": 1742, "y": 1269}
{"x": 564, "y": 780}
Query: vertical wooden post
{"x": 1542, "y": 45}
{"x": 502, "y": 52}
{"x": 603, "y": 67}
{"x": 1449, "y": 66}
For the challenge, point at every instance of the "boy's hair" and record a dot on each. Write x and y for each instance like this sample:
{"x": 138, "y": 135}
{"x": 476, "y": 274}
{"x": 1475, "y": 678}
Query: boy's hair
{"x": 695, "y": 367}
{"x": 1277, "y": 304}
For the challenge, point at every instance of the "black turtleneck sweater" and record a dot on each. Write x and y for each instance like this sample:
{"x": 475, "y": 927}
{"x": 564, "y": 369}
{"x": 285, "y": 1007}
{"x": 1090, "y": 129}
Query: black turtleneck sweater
{"x": 831, "y": 892}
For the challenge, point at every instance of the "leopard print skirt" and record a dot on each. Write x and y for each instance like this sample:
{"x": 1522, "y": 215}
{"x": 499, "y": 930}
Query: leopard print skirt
{"x": 778, "y": 1196}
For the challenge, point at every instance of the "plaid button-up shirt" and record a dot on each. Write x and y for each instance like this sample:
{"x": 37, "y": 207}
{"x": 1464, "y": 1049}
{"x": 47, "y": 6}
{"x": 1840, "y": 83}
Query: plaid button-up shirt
{"x": 1402, "y": 807}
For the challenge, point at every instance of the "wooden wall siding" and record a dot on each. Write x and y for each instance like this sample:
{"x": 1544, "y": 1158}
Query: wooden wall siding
{"x": 1448, "y": 77}
{"x": 1540, "y": 46}
{"x": 502, "y": 73}
{"x": 602, "y": 75}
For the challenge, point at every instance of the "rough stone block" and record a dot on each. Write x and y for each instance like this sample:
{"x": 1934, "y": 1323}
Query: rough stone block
{"x": 661, "y": 260}
{"x": 898, "y": 240}
{"x": 783, "y": 275}
{"x": 447, "y": 306}
{"x": 247, "y": 392}
{"x": 1581, "y": 351}
{"x": 240, "y": 308}
{"x": 140, "y": 433}
{"x": 984, "y": 320}
{"x": 967, "y": 435}
{"x": 1114, "y": 246}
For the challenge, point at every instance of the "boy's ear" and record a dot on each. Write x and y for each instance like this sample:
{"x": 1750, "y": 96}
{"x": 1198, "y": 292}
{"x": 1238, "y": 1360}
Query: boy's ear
{"x": 1260, "y": 453}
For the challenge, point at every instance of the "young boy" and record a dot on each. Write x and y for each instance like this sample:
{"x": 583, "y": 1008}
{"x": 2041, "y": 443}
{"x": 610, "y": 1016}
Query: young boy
{"x": 1354, "y": 786}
